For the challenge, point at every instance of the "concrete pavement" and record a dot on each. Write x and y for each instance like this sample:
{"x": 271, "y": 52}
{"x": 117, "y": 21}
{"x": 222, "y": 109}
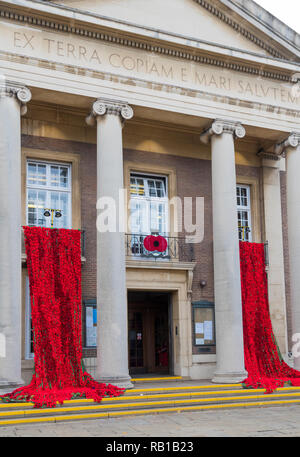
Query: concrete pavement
{"x": 281, "y": 421}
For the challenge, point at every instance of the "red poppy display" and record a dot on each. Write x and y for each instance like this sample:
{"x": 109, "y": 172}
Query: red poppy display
{"x": 54, "y": 269}
{"x": 155, "y": 243}
{"x": 263, "y": 361}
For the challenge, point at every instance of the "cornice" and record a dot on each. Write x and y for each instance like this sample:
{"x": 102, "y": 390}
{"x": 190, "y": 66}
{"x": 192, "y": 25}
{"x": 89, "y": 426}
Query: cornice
{"x": 210, "y": 8}
{"x": 238, "y": 28}
{"x": 34, "y": 19}
{"x": 251, "y": 11}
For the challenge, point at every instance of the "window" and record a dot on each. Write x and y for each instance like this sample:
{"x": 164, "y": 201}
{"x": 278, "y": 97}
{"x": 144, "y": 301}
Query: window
{"x": 244, "y": 212}
{"x": 90, "y": 319}
{"x": 48, "y": 187}
{"x": 148, "y": 205}
{"x": 204, "y": 326}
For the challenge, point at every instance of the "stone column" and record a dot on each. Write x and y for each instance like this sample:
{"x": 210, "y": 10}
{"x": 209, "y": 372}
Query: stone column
{"x": 227, "y": 282}
{"x": 12, "y": 105}
{"x": 291, "y": 149}
{"x": 273, "y": 234}
{"x": 112, "y": 350}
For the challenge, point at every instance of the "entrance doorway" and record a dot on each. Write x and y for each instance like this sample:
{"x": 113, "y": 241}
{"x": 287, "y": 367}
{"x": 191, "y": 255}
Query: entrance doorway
{"x": 149, "y": 336}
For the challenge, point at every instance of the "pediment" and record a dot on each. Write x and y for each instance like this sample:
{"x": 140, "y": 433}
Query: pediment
{"x": 179, "y": 17}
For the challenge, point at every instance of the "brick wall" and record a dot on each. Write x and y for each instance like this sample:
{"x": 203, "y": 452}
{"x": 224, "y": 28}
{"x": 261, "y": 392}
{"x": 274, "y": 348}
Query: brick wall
{"x": 193, "y": 179}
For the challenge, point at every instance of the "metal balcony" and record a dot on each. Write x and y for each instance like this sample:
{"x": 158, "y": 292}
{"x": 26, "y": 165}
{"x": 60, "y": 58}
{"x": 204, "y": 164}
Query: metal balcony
{"x": 177, "y": 249}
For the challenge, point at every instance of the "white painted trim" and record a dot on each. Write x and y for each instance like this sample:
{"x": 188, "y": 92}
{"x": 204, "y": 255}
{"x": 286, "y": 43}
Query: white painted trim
{"x": 48, "y": 188}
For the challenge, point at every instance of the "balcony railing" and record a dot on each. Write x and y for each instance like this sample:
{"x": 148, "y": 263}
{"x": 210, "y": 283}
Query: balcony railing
{"x": 172, "y": 249}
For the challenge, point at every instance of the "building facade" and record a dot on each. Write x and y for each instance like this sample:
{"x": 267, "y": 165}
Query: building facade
{"x": 183, "y": 116}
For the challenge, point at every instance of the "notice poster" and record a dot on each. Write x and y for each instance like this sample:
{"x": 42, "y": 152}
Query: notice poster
{"x": 208, "y": 330}
{"x": 199, "y": 328}
{"x": 91, "y": 327}
{"x": 200, "y": 341}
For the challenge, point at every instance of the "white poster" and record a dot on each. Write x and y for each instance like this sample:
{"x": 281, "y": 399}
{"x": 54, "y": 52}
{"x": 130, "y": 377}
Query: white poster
{"x": 89, "y": 316}
{"x": 91, "y": 336}
{"x": 200, "y": 341}
{"x": 199, "y": 328}
{"x": 91, "y": 329}
{"x": 208, "y": 330}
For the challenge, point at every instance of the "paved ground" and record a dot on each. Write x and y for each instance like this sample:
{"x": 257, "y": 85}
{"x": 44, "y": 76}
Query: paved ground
{"x": 282, "y": 421}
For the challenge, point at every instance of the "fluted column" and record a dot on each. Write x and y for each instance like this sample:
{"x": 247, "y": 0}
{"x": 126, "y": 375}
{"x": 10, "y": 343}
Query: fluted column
{"x": 12, "y": 105}
{"x": 227, "y": 282}
{"x": 291, "y": 149}
{"x": 112, "y": 348}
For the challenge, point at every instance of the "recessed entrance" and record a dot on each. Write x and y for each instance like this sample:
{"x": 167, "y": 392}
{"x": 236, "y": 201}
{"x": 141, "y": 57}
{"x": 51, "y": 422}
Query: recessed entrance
{"x": 149, "y": 338}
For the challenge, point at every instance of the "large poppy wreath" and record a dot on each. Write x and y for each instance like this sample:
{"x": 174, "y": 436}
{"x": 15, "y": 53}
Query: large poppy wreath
{"x": 155, "y": 243}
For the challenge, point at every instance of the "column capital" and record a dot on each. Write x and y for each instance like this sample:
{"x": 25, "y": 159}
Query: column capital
{"x": 220, "y": 126}
{"x": 103, "y": 106}
{"x": 292, "y": 141}
{"x": 22, "y": 94}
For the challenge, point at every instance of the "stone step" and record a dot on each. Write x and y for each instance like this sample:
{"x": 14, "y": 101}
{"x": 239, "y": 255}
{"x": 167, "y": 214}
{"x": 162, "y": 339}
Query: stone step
{"x": 129, "y": 406}
{"x": 156, "y": 378}
{"x": 143, "y": 395}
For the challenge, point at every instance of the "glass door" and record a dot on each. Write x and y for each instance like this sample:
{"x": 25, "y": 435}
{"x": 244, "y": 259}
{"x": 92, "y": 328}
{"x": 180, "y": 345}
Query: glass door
{"x": 136, "y": 342}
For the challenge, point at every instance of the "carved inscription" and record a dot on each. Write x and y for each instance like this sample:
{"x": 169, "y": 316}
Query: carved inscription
{"x": 134, "y": 63}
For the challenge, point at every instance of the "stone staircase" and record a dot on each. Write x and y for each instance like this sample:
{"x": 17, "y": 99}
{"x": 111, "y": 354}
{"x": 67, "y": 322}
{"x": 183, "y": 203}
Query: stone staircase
{"x": 151, "y": 396}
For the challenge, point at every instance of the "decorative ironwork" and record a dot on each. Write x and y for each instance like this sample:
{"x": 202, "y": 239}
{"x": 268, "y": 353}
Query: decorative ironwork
{"x": 267, "y": 259}
{"x": 244, "y": 231}
{"x": 177, "y": 248}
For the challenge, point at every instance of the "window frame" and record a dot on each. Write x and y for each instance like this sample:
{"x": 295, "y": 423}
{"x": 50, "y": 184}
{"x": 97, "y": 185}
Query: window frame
{"x": 48, "y": 188}
{"x": 247, "y": 208}
{"x": 148, "y": 199}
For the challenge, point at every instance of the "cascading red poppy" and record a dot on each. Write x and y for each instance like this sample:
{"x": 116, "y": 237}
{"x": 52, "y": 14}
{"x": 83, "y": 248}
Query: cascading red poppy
{"x": 54, "y": 270}
{"x": 263, "y": 360}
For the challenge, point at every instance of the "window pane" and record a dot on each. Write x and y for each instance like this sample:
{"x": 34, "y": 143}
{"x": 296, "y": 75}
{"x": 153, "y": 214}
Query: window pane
{"x": 139, "y": 217}
{"x": 243, "y": 223}
{"x": 35, "y": 207}
{"x": 137, "y": 186}
{"x": 140, "y": 186}
{"x": 59, "y": 201}
{"x": 157, "y": 217}
{"x": 242, "y": 196}
{"x": 238, "y": 195}
{"x": 36, "y": 174}
{"x": 160, "y": 189}
{"x": 244, "y": 213}
{"x": 64, "y": 177}
{"x": 152, "y": 189}
{"x": 54, "y": 176}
